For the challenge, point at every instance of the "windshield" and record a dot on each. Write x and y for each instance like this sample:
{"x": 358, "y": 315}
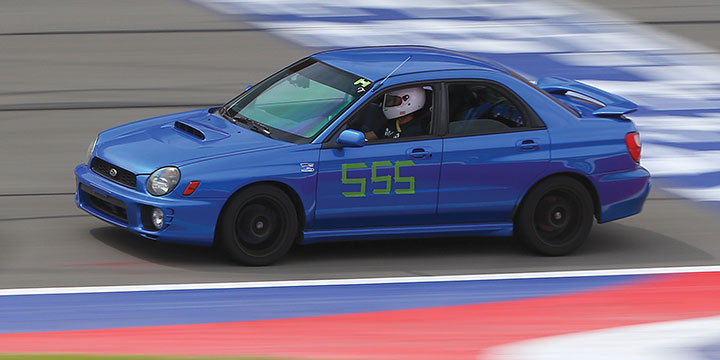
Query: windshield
{"x": 300, "y": 100}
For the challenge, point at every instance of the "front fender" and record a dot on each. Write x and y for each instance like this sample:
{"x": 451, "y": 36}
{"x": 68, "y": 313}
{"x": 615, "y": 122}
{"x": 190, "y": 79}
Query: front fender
{"x": 294, "y": 166}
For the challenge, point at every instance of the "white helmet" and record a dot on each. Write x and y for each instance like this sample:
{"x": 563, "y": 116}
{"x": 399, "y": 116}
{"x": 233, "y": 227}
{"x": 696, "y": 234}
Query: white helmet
{"x": 402, "y": 102}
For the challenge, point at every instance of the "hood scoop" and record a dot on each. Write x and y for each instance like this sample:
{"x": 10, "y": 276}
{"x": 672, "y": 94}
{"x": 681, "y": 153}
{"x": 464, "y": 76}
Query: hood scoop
{"x": 200, "y": 131}
{"x": 189, "y": 130}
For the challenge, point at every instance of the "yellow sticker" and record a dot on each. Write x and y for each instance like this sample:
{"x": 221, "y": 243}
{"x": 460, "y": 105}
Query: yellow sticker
{"x": 362, "y": 82}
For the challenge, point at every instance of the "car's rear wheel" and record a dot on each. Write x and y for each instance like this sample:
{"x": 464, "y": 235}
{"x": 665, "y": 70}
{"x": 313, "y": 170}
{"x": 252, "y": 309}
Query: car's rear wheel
{"x": 555, "y": 217}
{"x": 258, "y": 225}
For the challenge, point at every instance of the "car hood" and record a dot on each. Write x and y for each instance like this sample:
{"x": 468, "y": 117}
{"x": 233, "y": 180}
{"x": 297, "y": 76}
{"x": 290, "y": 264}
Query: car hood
{"x": 176, "y": 140}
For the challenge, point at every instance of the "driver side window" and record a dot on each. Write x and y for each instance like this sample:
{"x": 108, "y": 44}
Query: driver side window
{"x": 397, "y": 114}
{"x": 481, "y": 109}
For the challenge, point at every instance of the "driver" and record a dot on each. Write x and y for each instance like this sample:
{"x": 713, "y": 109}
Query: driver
{"x": 400, "y": 109}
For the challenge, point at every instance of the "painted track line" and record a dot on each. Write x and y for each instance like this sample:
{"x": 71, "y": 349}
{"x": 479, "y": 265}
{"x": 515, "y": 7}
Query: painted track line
{"x": 426, "y": 332}
{"x": 356, "y": 281}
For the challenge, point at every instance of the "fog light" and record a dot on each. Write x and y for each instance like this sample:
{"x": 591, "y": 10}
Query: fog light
{"x": 158, "y": 218}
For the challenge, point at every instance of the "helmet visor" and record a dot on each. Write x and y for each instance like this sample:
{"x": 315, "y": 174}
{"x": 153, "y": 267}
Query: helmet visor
{"x": 392, "y": 100}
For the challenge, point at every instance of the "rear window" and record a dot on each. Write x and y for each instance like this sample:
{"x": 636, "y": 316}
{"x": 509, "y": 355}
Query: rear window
{"x": 569, "y": 109}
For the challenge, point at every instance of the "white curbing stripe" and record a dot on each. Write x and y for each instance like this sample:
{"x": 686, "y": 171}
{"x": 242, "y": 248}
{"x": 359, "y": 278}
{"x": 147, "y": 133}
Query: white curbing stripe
{"x": 361, "y": 281}
{"x": 667, "y": 340}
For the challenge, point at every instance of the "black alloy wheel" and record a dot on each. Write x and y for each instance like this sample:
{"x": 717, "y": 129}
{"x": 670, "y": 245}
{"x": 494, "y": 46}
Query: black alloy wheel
{"x": 555, "y": 217}
{"x": 258, "y": 225}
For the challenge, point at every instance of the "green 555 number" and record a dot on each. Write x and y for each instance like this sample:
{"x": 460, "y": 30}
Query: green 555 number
{"x": 385, "y": 180}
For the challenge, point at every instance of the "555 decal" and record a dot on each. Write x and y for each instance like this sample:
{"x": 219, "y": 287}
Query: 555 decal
{"x": 385, "y": 182}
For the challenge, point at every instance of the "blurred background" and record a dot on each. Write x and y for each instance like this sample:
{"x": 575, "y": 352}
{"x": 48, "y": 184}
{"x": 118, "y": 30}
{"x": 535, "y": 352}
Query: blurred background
{"x": 70, "y": 69}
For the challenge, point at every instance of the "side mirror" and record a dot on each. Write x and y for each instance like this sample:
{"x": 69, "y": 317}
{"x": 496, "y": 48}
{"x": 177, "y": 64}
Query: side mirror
{"x": 248, "y": 88}
{"x": 351, "y": 138}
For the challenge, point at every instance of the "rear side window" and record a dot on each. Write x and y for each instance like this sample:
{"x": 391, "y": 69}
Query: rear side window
{"x": 569, "y": 109}
{"x": 481, "y": 109}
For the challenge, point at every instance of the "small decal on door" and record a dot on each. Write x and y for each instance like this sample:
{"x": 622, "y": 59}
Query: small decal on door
{"x": 307, "y": 167}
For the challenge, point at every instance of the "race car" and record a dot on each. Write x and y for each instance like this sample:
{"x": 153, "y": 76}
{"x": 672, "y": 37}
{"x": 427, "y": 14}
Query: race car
{"x": 374, "y": 143}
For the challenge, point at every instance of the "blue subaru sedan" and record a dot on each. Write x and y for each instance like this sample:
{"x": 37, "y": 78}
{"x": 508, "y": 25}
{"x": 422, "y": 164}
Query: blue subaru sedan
{"x": 371, "y": 143}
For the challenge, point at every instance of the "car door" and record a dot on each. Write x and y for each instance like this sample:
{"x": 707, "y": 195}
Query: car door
{"x": 388, "y": 182}
{"x": 495, "y": 148}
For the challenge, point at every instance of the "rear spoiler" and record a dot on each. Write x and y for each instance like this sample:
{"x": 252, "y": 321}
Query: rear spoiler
{"x": 613, "y": 105}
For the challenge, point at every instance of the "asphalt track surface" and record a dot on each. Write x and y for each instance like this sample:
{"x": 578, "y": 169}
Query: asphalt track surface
{"x": 71, "y": 69}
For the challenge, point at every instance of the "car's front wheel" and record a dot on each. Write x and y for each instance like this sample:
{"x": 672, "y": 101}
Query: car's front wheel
{"x": 258, "y": 225}
{"x": 555, "y": 217}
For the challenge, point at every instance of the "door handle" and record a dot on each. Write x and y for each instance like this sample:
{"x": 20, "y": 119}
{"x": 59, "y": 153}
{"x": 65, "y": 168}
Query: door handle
{"x": 527, "y": 145}
{"x": 419, "y": 153}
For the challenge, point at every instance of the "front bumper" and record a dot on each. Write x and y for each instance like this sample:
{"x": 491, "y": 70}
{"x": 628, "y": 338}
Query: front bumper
{"x": 187, "y": 220}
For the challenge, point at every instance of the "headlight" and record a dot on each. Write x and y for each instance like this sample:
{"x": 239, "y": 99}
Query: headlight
{"x": 92, "y": 148}
{"x": 163, "y": 180}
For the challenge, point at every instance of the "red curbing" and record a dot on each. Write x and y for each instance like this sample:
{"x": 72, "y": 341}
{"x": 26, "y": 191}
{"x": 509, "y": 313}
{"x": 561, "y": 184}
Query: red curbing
{"x": 456, "y": 332}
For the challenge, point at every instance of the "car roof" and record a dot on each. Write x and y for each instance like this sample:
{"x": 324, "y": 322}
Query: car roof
{"x": 376, "y": 62}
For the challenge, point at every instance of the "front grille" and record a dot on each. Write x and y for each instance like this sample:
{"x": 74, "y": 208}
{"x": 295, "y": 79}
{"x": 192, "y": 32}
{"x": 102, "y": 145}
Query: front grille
{"x": 109, "y": 205}
{"x": 121, "y": 176}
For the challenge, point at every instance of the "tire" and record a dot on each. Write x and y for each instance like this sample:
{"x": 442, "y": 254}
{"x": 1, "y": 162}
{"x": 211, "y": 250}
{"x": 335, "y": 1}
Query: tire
{"x": 258, "y": 225}
{"x": 555, "y": 217}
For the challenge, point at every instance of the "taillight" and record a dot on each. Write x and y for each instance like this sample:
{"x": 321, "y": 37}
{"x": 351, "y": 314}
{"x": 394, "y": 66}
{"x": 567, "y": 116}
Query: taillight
{"x": 632, "y": 140}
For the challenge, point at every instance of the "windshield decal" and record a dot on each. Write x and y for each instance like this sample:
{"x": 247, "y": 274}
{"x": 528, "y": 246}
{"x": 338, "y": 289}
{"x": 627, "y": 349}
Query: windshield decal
{"x": 363, "y": 84}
